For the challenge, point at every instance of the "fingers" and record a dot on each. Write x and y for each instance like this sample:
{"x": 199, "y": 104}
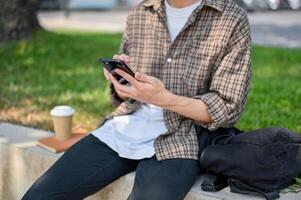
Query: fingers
{"x": 143, "y": 77}
{"x": 125, "y": 58}
{"x": 124, "y": 90}
{"x": 107, "y": 74}
{"x": 121, "y": 94}
{"x": 127, "y": 77}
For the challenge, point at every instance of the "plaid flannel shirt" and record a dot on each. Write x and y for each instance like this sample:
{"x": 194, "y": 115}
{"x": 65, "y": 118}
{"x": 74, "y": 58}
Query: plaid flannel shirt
{"x": 209, "y": 60}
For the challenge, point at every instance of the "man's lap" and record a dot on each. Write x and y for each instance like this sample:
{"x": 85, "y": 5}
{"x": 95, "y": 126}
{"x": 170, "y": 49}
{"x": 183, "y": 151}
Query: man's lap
{"x": 90, "y": 165}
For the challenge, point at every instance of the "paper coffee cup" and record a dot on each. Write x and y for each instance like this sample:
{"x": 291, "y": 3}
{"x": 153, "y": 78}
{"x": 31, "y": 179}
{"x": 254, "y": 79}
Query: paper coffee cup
{"x": 62, "y": 121}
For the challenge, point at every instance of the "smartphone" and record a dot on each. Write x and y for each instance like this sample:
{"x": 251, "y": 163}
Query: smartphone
{"x": 112, "y": 64}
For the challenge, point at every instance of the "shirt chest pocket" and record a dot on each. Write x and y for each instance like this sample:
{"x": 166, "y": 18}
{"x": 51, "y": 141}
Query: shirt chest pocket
{"x": 202, "y": 59}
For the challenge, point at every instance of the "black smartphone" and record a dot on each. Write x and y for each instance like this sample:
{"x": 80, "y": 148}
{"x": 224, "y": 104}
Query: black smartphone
{"x": 112, "y": 64}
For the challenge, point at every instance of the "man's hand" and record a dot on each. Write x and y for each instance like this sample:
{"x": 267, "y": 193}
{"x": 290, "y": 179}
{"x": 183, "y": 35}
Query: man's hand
{"x": 147, "y": 89}
{"x": 107, "y": 74}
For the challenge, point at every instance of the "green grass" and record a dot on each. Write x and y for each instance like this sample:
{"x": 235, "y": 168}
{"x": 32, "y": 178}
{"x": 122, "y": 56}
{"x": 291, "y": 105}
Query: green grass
{"x": 52, "y": 69}
{"x": 275, "y": 97}
{"x": 62, "y": 68}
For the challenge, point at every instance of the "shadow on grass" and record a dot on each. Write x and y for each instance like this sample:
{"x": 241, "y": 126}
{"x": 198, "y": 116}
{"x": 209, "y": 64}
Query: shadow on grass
{"x": 55, "y": 68}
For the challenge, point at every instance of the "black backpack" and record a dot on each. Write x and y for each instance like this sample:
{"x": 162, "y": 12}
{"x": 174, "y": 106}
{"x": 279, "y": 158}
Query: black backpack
{"x": 261, "y": 162}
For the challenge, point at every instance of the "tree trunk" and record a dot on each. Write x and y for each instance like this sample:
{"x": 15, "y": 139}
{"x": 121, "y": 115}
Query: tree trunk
{"x": 18, "y": 18}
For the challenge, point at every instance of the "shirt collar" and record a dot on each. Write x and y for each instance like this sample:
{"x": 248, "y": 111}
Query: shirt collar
{"x": 215, "y": 4}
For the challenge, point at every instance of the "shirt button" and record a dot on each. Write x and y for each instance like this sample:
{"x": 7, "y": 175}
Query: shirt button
{"x": 169, "y": 60}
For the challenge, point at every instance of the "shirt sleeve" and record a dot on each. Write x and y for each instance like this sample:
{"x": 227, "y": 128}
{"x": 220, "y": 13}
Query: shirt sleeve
{"x": 123, "y": 49}
{"x": 230, "y": 82}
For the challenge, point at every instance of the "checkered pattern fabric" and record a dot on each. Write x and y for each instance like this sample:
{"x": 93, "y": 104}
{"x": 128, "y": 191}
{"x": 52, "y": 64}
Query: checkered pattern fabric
{"x": 209, "y": 60}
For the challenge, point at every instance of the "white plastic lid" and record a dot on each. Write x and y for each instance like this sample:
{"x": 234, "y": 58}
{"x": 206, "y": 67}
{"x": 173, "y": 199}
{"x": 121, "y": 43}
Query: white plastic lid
{"x": 62, "y": 111}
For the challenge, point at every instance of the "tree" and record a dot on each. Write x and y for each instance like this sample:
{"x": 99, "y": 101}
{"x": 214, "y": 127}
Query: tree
{"x": 18, "y": 18}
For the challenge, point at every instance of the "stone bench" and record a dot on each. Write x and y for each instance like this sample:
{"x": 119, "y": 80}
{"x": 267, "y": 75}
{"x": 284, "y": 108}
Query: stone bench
{"x": 22, "y": 162}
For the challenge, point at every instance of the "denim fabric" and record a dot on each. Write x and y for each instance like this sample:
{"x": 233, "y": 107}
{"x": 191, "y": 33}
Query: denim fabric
{"x": 90, "y": 165}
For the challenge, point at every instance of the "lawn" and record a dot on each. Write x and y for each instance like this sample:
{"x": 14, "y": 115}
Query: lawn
{"x": 62, "y": 68}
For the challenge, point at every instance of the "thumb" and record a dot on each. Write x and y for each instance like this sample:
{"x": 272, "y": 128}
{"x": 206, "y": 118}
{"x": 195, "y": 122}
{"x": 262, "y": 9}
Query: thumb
{"x": 142, "y": 77}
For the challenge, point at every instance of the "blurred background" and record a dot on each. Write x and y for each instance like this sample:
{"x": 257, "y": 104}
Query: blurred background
{"x": 274, "y": 22}
{"x": 49, "y": 52}
{"x": 250, "y": 5}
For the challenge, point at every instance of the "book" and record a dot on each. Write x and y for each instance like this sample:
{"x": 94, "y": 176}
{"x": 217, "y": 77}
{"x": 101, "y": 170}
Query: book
{"x": 57, "y": 146}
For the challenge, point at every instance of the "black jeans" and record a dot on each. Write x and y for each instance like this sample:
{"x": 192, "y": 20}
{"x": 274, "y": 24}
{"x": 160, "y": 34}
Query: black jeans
{"x": 90, "y": 165}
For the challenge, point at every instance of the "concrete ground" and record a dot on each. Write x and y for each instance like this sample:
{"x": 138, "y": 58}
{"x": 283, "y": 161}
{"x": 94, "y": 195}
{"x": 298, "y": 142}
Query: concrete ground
{"x": 276, "y": 28}
{"x": 281, "y": 28}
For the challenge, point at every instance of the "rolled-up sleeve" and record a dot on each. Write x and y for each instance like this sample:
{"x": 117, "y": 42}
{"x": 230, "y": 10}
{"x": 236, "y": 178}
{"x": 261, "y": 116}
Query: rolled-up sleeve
{"x": 230, "y": 83}
{"x": 123, "y": 49}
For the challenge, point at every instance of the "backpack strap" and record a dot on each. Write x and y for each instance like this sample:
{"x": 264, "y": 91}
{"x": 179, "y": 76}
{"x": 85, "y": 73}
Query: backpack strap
{"x": 214, "y": 182}
{"x": 224, "y": 135}
{"x": 237, "y": 186}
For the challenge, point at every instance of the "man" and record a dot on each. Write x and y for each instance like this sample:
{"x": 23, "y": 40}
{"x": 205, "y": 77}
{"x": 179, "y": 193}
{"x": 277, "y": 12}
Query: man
{"x": 192, "y": 64}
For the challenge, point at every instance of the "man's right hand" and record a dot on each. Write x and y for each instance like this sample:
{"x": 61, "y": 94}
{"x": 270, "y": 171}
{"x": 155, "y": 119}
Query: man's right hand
{"x": 107, "y": 75}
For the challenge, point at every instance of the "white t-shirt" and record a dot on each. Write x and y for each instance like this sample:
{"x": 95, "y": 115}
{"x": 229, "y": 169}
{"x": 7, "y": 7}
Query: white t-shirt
{"x": 177, "y": 17}
{"x": 132, "y": 136}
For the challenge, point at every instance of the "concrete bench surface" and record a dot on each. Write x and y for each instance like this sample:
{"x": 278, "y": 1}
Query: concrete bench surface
{"x": 22, "y": 162}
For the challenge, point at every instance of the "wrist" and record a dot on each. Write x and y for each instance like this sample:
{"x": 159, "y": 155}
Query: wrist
{"x": 167, "y": 100}
{"x": 175, "y": 102}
